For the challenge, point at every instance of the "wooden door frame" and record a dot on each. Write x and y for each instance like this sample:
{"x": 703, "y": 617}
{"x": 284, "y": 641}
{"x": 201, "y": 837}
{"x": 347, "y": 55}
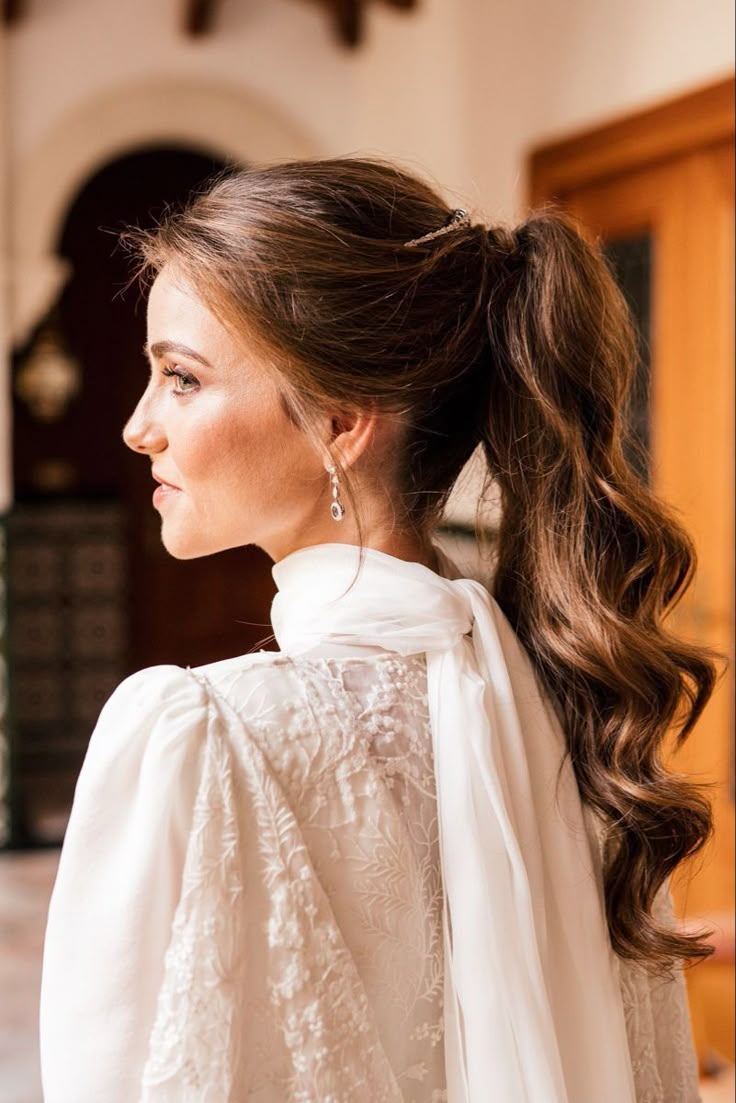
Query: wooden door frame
{"x": 703, "y": 117}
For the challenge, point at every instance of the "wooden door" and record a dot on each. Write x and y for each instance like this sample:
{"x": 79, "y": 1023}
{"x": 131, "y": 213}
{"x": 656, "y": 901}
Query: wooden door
{"x": 658, "y": 191}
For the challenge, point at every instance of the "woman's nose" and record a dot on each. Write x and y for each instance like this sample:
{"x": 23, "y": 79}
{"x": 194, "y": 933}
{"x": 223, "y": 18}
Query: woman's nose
{"x": 143, "y": 432}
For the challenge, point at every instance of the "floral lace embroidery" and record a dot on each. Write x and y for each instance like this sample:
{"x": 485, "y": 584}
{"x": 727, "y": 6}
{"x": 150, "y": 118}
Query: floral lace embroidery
{"x": 194, "y": 1036}
{"x": 305, "y": 963}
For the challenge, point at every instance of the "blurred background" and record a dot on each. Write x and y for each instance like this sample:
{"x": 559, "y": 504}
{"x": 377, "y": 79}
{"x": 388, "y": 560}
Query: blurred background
{"x": 622, "y": 111}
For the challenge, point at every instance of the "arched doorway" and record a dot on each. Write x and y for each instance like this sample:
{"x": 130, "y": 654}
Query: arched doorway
{"x": 94, "y": 596}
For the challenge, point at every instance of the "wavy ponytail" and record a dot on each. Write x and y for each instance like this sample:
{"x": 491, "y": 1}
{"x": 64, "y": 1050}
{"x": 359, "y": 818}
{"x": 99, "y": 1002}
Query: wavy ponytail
{"x": 589, "y": 561}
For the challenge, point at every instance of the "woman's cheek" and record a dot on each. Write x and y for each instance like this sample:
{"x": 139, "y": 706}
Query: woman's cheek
{"x": 194, "y": 445}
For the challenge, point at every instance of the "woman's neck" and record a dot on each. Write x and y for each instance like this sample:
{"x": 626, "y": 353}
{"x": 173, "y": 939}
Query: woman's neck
{"x": 407, "y": 545}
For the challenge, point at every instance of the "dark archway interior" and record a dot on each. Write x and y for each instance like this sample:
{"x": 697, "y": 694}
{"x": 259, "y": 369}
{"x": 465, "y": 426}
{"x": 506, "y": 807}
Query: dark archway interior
{"x": 94, "y": 596}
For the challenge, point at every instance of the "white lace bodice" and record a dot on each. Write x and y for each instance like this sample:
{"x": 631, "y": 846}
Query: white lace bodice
{"x": 348, "y": 926}
{"x": 249, "y": 899}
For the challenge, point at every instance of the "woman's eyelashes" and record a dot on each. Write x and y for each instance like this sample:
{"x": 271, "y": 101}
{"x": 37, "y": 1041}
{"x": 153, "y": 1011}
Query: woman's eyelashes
{"x": 185, "y": 383}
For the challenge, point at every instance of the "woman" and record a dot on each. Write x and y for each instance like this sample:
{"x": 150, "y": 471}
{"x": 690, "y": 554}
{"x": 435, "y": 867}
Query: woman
{"x": 422, "y": 853}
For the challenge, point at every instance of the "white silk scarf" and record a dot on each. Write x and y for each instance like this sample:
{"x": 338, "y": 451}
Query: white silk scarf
{"x": 533, "y": 1008}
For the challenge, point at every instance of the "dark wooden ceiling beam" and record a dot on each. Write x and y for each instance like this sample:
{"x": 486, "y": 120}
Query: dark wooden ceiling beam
{"x": 13, "y": 11}
{"x": 199, "y": 16}
{"x": 348, "y": 17}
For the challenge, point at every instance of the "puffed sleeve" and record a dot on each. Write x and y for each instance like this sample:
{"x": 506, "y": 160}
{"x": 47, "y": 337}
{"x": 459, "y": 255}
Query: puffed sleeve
{"x": 117, "y": 887}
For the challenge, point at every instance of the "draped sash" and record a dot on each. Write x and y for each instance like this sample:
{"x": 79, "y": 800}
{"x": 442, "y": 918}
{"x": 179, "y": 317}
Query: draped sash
{"x": 533, "y": 1009}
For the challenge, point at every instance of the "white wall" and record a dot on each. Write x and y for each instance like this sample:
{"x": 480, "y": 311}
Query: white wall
{"x": 459, "y": 90}
{"x": 461, "y": 86}
{"x": 545, "y": 70}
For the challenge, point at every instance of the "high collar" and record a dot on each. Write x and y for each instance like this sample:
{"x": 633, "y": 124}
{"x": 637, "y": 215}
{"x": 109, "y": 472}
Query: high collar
{"x": 339, "y": 563}
{"x": 339, "y": 599}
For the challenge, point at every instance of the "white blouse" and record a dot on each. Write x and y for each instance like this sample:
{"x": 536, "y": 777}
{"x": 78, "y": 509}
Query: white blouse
{"x": 249, "y": 901}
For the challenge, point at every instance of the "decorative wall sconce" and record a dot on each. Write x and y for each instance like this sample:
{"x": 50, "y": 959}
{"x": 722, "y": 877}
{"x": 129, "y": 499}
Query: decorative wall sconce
{"x": 49, "y": 377}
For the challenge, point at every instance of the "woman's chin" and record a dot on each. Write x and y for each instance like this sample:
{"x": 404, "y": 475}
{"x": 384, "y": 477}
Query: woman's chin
{"x": 190, "y": 545}
{"x": 184, "y": 546}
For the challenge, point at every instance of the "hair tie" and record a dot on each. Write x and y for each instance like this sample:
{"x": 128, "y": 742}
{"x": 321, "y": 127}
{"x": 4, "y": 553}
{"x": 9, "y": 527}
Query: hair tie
{"x": 458, "y": 218}
{"x": 507, "y": 243}
{"x": 521, "y": 239}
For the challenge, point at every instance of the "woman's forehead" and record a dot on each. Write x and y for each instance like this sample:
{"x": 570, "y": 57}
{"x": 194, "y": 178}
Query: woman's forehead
{"x": 176, "y": 315}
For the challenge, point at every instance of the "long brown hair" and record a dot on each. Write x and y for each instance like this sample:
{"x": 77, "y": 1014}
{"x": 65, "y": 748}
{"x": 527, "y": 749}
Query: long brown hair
{"x": 518, "y": 340}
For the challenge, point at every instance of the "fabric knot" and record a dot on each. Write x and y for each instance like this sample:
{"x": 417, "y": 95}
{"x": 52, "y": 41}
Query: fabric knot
{"x": 366, "y": 602}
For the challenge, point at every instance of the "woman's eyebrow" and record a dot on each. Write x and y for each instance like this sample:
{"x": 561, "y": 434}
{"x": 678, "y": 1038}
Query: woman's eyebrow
{"x": 159, "y": 349}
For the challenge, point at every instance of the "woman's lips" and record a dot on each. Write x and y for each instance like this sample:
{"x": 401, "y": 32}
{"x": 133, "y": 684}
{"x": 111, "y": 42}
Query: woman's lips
{"x": 164, "y": 491}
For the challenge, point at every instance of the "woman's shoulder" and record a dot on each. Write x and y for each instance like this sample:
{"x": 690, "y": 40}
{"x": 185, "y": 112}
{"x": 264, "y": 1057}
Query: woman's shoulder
{"x": 263, "y": 675}
{"x": 149, "y": 746}
{"x": 169, "y": 700}
{"x": 156, "y": 710}
{"x": 162, "y": 685}
{"x": 143, "y": 697}
{"x": 253, "y": 662}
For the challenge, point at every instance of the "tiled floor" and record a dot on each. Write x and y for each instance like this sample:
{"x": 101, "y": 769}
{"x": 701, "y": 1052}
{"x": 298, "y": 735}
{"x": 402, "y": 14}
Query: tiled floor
{"x": 25, "y": 887}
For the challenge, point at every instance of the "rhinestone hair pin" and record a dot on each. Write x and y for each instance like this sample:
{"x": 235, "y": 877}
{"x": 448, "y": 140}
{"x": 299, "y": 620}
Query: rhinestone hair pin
{"x": 458, "y": 218}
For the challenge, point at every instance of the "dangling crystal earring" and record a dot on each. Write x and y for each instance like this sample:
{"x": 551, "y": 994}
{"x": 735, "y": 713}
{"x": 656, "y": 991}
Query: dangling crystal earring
{"x": 337, "y": 509}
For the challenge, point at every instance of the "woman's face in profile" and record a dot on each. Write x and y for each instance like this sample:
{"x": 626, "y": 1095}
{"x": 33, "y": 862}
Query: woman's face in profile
{"x": 232, "y": 467}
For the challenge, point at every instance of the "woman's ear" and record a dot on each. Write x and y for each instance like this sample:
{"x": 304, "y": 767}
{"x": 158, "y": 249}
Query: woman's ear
{"x": 351, "y": 434}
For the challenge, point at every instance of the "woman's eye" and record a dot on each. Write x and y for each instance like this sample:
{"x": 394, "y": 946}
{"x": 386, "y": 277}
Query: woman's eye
{"x": 185, "y": 383}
